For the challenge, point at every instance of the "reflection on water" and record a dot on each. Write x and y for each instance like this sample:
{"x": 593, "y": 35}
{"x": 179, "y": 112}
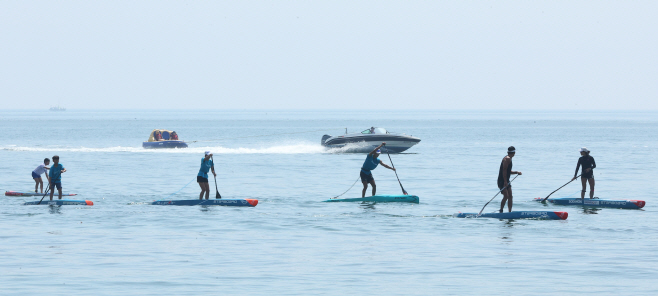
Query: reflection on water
{"x": 593, "y": 211}
{"x": 54, "y": 209}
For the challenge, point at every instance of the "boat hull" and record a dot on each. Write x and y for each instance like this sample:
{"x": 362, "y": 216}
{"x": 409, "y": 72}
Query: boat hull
{"x": 16, "y": 193}
{"x": 366, "y": 143}
{"x": 208, "y": 202}
{"x": 60, "y": 202}
{"x": 380, "y": 198}
{"x": 597, "y": 203}
{"x": 164, "y": 145}
{"x": 539, "y": 215}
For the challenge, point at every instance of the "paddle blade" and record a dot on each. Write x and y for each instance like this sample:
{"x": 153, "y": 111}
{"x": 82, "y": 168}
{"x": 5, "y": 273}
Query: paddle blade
{"x": 218, "y": 196}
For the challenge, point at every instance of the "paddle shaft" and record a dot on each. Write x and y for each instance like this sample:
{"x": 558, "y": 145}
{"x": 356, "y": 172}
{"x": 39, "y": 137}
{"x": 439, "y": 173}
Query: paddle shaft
{"x": 508, "y": 184}
{"x": 543, "y": 200}
{"x": 217, "y": 196}
{"x": 44, "y": 195}
{"x": 396, "y": 173}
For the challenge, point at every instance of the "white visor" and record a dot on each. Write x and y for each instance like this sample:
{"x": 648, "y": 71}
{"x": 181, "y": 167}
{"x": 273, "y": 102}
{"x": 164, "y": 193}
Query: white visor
{"x": 207, "y": 153}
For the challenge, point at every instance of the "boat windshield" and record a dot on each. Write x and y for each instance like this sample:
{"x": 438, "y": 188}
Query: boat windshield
{"x": 376, "y": 130}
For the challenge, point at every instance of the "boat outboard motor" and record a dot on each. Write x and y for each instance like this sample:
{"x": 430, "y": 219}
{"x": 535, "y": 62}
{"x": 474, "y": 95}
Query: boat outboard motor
{"x": 324, "y": 139}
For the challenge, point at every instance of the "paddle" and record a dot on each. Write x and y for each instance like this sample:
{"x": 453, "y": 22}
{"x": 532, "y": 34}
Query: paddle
{"x": 44, "y": 195}
{"x": 218, "y": 196}
{"x": 396, "y": 173}
{"x": 501, "y": 190}
{"x": 543, "y": 200}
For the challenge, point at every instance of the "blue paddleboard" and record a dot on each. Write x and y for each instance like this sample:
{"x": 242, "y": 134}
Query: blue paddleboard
{"x": 208, "y": 202}
{"x": 599, "y": 203}
{"x": 379, "y": 198}
{"x": 60, "y": 202}
{"x": 543, "y": 215}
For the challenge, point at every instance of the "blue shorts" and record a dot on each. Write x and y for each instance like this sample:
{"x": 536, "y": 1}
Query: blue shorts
{"x": 56, "y": 184}
{"x": 35, "y": 176}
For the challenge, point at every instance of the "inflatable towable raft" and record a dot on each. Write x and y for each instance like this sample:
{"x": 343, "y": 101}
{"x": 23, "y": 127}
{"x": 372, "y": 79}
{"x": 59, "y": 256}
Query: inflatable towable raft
{"x": 160, "y": 138}
{"x": 208, "y": 202}
{"x": 599, "y": 203}
{"x": 16, "y": 193}
{"x": 60, "y": 202}
{"x": 379, "y": 198}
{"x": 539, "y": 215}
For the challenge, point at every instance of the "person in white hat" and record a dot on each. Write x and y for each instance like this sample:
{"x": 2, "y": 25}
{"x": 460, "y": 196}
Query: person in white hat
{"x": 202, "y": 176}
{"x": 587, "y": 174}
{"x": 504, "y": 173}
{"x": 370, "y": 164}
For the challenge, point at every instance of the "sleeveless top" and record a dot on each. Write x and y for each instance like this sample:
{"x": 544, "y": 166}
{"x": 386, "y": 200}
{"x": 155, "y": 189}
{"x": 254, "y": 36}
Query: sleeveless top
{"x": 500, "y": 172}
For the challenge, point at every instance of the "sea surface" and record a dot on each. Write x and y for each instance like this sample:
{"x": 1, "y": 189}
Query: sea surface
{"x": 292, "y": 243}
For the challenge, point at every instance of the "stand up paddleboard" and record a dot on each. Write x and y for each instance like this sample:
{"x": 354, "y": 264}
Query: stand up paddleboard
{"x": 60, "y": 202}
{"x": 599, "y": 203}
{"x": 539, "y": 215}
{"x": 208, "y": 202}
{"x": 17, "y": 193}
{"x": 379, "y": 198}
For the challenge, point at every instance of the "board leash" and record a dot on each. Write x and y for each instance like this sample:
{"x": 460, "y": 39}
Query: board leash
{"x": 396, "y": 172}
{"x": 543, "y": 200}
{"x": 178, "y": 190}
{"x": 357, "y": 180}
{"x": 501, "y": 190}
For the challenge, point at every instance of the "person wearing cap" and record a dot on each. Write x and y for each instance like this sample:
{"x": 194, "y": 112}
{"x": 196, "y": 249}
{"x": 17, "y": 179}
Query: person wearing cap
{"x": 587, "y": 174}
{"x": 503, "y": 179}
{"x": 202, "y": 176}
{"x": 370, "y": 164}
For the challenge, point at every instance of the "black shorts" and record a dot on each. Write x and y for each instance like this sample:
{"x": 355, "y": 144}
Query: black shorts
{"x": 502, "y": 184}
{"x": 365, "y": 178}
{"x": 200, "y": 179}
{"x": 589, "y": 175}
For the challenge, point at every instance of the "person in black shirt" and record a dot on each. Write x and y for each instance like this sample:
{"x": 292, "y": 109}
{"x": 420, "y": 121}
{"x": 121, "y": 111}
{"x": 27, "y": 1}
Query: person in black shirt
{"x": 587, "y": 174}
{"x": 503, "y": 178}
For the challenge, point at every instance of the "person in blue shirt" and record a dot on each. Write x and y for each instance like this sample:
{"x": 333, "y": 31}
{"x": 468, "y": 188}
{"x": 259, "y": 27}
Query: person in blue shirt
{"x": 202, "y": 176}
{"x": 370, "y": 164}
{"x": 55, "y": 176}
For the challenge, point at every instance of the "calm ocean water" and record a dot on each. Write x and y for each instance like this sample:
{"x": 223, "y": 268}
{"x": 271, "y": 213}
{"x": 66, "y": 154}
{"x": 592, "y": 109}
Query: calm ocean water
{"x": 292, "y": 243}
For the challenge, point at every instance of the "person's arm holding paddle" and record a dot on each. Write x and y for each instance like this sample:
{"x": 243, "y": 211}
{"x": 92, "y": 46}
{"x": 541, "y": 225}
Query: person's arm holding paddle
{"x": 577, "y": 168}
{"x": 386, "y": 166}
{"x": 372, "y": 153}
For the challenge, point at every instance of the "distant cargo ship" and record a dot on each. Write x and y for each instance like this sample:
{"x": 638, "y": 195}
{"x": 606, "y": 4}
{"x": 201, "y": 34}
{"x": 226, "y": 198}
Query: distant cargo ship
{"x": 58, "y": 108}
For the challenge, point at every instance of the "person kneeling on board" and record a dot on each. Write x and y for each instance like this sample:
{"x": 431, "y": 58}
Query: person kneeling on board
{"x": 202, "y": 176}
{"x": 370, "y": 164}
{"x": 55, "y": 176}
{"x": 503, "y": 179}
{"x": 587, "y": 174}
{"x": 36, "y": 175}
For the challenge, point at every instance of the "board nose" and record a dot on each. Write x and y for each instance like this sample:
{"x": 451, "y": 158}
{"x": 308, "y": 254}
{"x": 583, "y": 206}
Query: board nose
{"x": 89, "y": 202}
{"x": 562, "y": 215}
{"x": 252, "y": 202}
{"x": 639, "y": 203}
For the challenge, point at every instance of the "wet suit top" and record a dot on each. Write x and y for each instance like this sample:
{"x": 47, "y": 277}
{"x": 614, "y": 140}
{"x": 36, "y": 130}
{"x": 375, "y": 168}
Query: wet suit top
{"x": 501, "y": 182}
{"x": 588, "y": 163}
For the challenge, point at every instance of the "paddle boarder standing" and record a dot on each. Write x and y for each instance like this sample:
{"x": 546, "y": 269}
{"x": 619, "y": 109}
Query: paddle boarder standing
{"x": 36, "y": 175}
{"x": 370, "y": 164}
{"x": 587, "y": 174}
{"x": 503, "y": 179}
{"x": 202, "y": 176}
{"x": 55, "y": 176}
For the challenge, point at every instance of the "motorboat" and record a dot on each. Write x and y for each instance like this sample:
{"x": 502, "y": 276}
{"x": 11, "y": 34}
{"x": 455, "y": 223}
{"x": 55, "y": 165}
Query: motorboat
{"x": 367, "y": 140}
{"x": 160, "y": 138}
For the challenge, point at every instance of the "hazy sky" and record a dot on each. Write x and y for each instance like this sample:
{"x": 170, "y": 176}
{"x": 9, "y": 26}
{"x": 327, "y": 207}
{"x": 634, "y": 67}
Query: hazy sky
{"x": 329, "y": 54}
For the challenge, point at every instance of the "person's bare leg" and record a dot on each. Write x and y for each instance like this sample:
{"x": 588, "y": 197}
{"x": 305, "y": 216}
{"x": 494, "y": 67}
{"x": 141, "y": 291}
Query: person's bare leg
{"x": 365, "y": 187}
{"x": 59, "y": 192}
{"x": 510, "y": 199}
{"x": 502, "y": 202}
{"x": 36, "y": 185}
{"x": 374, "y": 187}
{"x": 582, "y": 193}
{"x": 207, "y": 190}
{"x": 52, "y": 191}
{"x": 591, "y": 187}
{"x": 202, "y": 190}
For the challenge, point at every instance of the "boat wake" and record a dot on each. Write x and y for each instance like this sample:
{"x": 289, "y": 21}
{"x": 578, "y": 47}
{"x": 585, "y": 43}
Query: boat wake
{"x": 276, "y": 149}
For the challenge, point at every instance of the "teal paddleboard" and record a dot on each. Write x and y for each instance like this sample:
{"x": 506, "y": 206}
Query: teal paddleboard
{"x": 379, "y": 198}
